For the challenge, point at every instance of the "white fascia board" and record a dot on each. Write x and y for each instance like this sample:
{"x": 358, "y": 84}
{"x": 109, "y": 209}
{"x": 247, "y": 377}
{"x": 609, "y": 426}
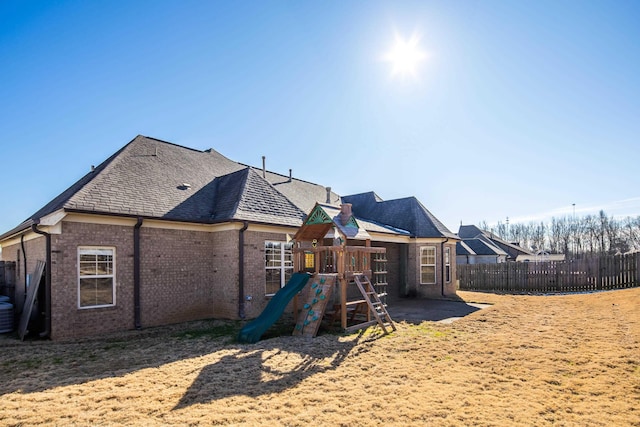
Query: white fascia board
{"x": 54, "y": 218}
{"x": 434, "y": 240}
{"x": 389, "y": 238}
{"x": 174, "y": 225}
{"x": 28, "y": 235}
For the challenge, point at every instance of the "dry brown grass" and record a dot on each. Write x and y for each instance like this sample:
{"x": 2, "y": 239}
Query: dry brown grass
{"x": 527, "y": 360}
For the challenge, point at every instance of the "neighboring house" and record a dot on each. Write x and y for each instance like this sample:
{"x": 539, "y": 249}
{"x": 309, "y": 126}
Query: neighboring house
{"x": 479, "y": 251}
{"x": 485, "y": 247}
{"x": 159, "y": 233}
{"x": 541, "y": 256}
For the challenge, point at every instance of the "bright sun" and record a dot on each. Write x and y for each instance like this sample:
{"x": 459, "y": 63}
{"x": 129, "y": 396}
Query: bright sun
{"x": 405, "y": 56}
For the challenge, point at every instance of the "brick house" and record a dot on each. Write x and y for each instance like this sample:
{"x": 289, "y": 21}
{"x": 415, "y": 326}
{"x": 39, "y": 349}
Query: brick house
{"x": 159, "y": 233}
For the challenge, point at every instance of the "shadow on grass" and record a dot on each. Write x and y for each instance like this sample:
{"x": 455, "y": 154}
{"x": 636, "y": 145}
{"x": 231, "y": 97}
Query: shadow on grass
{"x": 252, "y": 370}
{"x": 34, "y": 366}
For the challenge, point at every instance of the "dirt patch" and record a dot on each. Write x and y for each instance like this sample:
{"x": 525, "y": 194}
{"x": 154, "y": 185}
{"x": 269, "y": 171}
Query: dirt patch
{"x": 526, "y": 360}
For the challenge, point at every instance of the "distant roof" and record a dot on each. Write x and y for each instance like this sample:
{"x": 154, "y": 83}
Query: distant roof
{"x": 512, "y": 250}
{"x": 463, "y": 249}
{"x": 406, "y": 214}
{"x": 482, "y": 247}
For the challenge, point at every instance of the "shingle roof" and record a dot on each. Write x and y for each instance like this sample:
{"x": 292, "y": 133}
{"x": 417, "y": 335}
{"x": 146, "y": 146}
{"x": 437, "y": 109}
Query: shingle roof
{"x": 154, "y": 178}
{"x": 471, "y": 231}
{"x": 463, "y": 249}
{"x": 245, "y": 195}
{"x": 157, "y": 179}
{"x": 406, "y": 214}
{"x": 303, "y": 194}
{"x": 481, "y": 247}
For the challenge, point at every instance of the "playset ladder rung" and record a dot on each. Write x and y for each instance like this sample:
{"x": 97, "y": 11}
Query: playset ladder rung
{"x": 376, "y": 306}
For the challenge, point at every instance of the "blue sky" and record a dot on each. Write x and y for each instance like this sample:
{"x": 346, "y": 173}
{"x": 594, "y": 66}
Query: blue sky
{"x": 521, "y": 109}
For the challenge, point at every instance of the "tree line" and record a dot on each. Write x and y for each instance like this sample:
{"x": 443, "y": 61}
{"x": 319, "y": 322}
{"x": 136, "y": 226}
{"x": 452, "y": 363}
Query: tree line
{"x": 591, "y": 234}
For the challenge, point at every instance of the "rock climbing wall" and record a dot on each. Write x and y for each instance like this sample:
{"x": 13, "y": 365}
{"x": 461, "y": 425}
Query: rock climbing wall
{"x": 313, "y": 309}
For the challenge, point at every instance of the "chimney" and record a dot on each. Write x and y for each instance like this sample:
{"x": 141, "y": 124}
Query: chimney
{"x": 328, "y": 195}
{"x": 345, "y": 213}
{"x": 290, "y": 175}
{"x": 264, "y": 167}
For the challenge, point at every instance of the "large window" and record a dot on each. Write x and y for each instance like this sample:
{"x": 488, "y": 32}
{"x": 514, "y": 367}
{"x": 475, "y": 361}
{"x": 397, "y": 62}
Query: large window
{"x": 278, "y": 264}
{"x": 427, "y": 265}
{"x": 96, "y": 277}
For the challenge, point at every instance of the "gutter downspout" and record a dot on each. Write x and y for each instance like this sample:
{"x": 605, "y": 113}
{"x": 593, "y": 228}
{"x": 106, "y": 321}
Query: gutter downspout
{"x": 241, "y": 312}
{"x": 47, "y": 280}
{"x": 24, "y": 273}
{"x": 137, "y": 323}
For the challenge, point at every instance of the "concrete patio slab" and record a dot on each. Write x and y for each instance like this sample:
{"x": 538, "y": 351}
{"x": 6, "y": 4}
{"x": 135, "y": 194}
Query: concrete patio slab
{"x": 419, "y": 310}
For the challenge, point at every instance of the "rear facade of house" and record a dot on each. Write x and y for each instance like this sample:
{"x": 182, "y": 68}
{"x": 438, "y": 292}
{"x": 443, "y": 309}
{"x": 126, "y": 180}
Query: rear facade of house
{"x": 160, "y": 234}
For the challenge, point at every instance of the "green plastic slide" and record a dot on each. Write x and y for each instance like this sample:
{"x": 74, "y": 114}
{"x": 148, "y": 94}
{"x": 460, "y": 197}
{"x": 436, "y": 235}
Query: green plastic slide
{"x": 252, "y": 332}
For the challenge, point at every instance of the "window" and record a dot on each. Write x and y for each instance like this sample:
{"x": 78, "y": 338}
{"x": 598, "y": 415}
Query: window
{"x": 278, "y": 264}
{"x": 447, "y": 264}
{"x": 96, "y": 277}
{"x": 427, "y": 265}
{"x": 309, "y": 261}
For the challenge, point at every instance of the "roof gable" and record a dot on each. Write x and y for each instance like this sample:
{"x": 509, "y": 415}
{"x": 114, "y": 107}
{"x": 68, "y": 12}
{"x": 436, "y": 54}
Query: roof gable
{"x": 260, "y": 201}
{"x": 323, "y": 218}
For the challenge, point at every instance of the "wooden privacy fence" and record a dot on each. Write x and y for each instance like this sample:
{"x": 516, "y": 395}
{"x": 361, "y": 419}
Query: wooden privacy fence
{"x": 8, "y": 279}
{"x": 587, "y": 274}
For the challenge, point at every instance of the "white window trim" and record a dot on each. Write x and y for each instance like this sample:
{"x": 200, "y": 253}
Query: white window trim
{"x": 435, "y": 261}
{"x": 113, "y": 275}
{"x": 282, "y": 267}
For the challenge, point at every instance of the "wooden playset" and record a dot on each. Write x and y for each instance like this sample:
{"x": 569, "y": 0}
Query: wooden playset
{"x": 349, "y": 282}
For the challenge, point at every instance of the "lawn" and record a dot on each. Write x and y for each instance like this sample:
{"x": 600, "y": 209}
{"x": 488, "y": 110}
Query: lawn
{"x": 526, "y": 360}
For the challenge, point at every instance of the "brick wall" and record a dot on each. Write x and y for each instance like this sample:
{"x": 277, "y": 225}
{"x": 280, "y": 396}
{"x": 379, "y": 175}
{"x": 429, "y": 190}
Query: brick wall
{"x": 396, "y": 277}
{"x": 67, "y": 320}
{"x": 450, "y": 287}
{"x": 185, "y": 275}
{"x": 255, "y": 275}
{"x": 178, "y": 278}
{"x": 431, "y": 290}
{"x": 223, "y": 265}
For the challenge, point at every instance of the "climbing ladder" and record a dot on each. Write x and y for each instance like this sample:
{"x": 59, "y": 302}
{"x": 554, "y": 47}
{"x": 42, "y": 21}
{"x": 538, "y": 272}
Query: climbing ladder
{"x": 376, "y": 306}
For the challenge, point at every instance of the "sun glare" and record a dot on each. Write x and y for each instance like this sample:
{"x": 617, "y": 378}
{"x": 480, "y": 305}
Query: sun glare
{"x": 405, "y": 56}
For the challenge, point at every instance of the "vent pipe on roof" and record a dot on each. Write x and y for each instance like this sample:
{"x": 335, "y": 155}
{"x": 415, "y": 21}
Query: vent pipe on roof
{"x": 328, "y": 194}
{"x": 264, "y": 167}
{"x": 290, "y": 175}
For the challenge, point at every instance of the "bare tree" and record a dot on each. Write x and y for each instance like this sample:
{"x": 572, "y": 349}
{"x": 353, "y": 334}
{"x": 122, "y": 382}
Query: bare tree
{"x": 593, "y": 234}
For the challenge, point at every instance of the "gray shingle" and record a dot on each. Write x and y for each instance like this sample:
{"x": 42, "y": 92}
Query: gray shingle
{"x": 406, "y": 214}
